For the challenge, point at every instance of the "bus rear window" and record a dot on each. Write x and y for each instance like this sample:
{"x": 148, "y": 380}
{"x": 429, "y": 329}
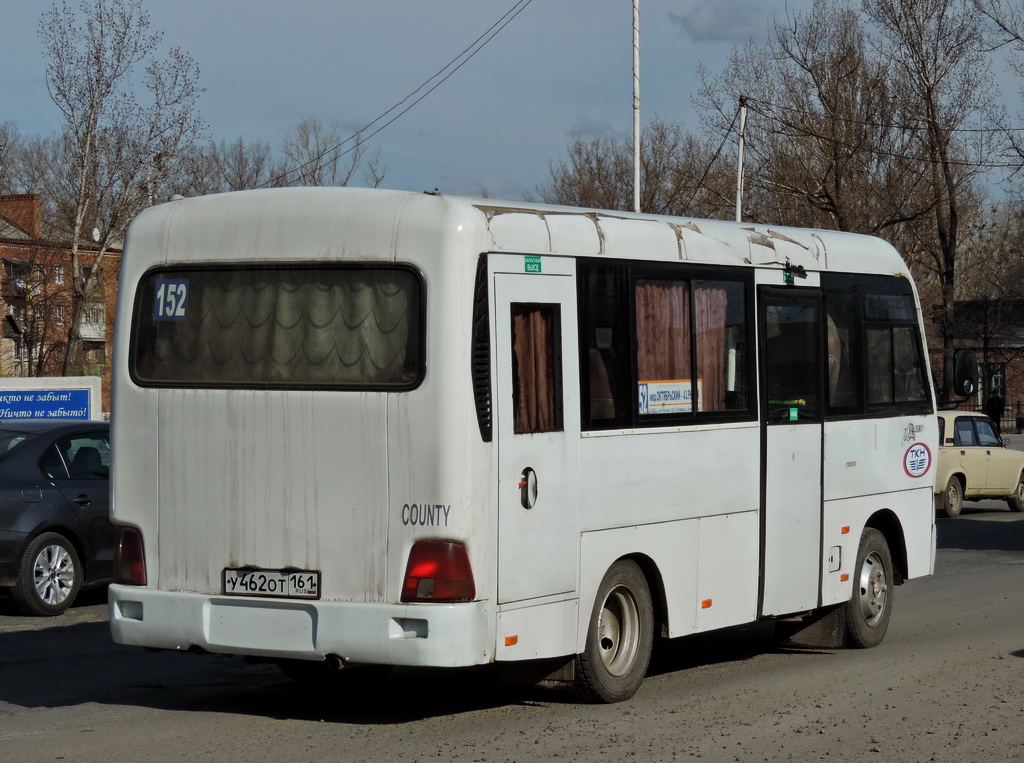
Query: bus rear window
{"x": 306, "y": 327}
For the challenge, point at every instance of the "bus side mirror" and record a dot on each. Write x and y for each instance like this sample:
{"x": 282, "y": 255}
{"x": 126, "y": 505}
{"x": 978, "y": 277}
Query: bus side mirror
{"x": 965, "y": 373}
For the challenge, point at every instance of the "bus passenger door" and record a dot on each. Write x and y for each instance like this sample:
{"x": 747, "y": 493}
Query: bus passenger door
{"x": 537, "y": 413}
{"x": 792, "y": 427}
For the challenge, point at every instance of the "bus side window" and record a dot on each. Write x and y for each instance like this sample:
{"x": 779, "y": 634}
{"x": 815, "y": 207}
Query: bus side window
{"x": 909, "y": 373}
{"x": 663, "y": 338}
{"x": 720, "y": 318}
{"x": 895, "y": 368}
{"x": 879, "y": 366}
{"x": 843, "y": 352}
{"x": 604, "y": 381}
{"x": 536, "y": 367}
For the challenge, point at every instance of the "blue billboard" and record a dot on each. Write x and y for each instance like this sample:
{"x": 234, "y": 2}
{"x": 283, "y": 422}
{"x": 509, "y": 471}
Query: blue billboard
{"x": 45, "y": 404}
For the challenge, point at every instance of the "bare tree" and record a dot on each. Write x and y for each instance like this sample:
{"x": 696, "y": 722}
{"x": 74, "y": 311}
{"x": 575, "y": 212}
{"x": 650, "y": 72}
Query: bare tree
{"x": 674, "y": 173}
{"x": 10, "y": 144}
{"x": 825, "y": 144}
{"x": 224, "y": 166}
{"x": 942, "y": 83}
{"x": 318, "y": 155}
{"x": 117, "y": 148}
{"x": 1007, "y": 20}
{"x": 991, "y": 302}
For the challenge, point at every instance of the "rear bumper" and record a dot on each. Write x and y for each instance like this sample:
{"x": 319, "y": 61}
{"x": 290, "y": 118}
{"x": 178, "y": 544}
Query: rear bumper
{"x": 441, "y": 635}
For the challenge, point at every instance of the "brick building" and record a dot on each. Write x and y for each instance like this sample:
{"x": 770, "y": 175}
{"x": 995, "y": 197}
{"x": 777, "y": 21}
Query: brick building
{"x": 35, "y": 289}
{"x": 994, "y": 330}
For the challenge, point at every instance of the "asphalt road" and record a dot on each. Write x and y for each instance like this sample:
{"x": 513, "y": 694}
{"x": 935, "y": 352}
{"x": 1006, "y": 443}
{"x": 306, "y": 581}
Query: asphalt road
{"x": 945, "y": 685}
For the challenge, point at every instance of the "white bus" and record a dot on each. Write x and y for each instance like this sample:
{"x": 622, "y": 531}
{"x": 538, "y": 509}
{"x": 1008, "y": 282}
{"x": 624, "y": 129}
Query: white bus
{"x": 361, "y": 427}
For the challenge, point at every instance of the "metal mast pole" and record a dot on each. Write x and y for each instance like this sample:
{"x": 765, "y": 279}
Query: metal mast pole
{"x": 739, "y": 160}
{"x": 636, "y": 105}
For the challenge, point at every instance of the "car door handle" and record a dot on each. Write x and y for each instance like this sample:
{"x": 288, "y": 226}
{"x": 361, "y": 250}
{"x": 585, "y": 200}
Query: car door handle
{"x": 83, "y": 500}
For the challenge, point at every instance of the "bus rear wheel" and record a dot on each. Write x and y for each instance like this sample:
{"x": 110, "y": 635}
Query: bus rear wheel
{"x": 870, "y": 608}
{"x": 614, "y": 661}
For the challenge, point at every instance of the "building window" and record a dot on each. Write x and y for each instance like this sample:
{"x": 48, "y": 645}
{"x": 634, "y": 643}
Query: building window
{"x": 60, "y": 315}
{"x": 58, "y": 274}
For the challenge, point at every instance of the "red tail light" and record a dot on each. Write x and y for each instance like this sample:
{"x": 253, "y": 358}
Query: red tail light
{"x": 129, "y": 557}
{"x": 438, "y": 571}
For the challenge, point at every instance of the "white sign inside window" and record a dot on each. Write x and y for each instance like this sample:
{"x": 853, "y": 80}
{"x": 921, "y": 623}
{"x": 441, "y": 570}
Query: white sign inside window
{"x": 667, "y": 396}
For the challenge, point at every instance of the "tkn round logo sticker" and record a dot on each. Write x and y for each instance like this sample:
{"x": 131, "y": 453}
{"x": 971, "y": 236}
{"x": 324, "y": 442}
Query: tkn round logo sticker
{"x": 917, "y": 460}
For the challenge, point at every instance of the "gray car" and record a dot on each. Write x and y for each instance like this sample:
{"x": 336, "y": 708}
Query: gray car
{"x": 55, "y": 531}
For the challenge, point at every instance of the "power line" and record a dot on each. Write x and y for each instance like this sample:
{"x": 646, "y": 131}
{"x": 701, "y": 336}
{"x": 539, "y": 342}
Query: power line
{"x": 465, "y": 55}
{"x": 718, "y": 152}
{"x": 875, "y": 151}
{"x": 900, "y": 125}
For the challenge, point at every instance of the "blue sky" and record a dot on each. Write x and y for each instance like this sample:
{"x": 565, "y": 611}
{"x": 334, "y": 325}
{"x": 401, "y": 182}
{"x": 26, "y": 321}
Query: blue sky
{"x": 561, "y": 66}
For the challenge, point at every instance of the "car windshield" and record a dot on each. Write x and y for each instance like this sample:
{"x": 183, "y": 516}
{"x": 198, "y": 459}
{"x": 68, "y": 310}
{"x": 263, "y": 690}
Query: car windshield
{"x": 9, "y": 440}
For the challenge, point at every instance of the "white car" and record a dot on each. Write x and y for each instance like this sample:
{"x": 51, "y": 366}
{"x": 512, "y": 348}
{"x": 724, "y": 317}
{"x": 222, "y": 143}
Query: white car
{"x": 974, "y": 463}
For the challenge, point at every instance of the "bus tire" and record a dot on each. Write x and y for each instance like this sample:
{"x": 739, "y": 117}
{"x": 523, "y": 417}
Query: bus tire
{"x": 870, "y": 608}
{"x": 49, "y": 576}
{"x": 953, "y": 498}
{"x": 1016, "y": 501}
{"x": 614, "y": 660}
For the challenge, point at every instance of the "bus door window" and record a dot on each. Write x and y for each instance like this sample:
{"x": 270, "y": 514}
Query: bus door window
{"x": 792, "y": 359}
{"x": 536, "y": 367}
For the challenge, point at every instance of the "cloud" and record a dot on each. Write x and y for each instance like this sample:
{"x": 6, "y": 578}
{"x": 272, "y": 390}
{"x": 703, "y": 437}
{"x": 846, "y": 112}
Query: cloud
{"x": 588, "y": 127}
{"x": 723, "y": 21}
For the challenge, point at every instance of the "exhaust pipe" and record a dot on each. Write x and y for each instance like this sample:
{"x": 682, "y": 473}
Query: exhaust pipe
{"x": 334, "y": 662}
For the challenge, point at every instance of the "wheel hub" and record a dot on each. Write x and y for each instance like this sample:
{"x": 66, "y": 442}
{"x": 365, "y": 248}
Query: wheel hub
{"x": 874, "y": 589}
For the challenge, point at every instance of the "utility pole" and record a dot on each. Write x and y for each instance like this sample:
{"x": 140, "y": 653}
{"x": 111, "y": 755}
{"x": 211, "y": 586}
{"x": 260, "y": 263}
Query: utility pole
{"x": 739, "y": 160}
{"x": 636, "y": 105}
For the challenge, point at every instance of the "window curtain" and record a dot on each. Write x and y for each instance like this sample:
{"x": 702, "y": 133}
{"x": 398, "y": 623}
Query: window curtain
{"x": 712, "y": 348}
{"x": 535, "y": 372}
{"x": 301, "y": 326}
{"x": 662, "y": 330}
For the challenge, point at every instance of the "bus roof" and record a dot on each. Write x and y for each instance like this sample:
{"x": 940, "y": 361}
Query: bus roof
{"x": 351, "y": 219}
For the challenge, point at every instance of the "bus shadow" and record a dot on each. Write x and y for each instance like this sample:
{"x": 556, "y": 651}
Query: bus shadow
{"x": 734, "y": 644}
{"x": 50, "y": 663}
{"x": 68, "y": 665}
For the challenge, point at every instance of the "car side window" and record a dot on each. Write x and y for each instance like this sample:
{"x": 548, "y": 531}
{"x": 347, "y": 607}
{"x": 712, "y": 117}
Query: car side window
{"x": 53, "y": 464}
{"x": 79, "y": 457}
{"x": 964, "y": 432}
{"x": 987, "y": 434}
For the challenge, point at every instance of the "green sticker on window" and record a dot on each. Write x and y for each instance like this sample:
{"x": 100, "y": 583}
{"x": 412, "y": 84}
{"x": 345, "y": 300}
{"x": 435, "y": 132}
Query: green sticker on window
{"x": 531, "y": 264}
{"x": 794, "y": 414}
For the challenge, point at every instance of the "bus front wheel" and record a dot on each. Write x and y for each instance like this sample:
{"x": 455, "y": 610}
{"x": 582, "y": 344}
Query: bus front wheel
{"x": 870, "y": 608}
{"x": 614, "y": 661}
